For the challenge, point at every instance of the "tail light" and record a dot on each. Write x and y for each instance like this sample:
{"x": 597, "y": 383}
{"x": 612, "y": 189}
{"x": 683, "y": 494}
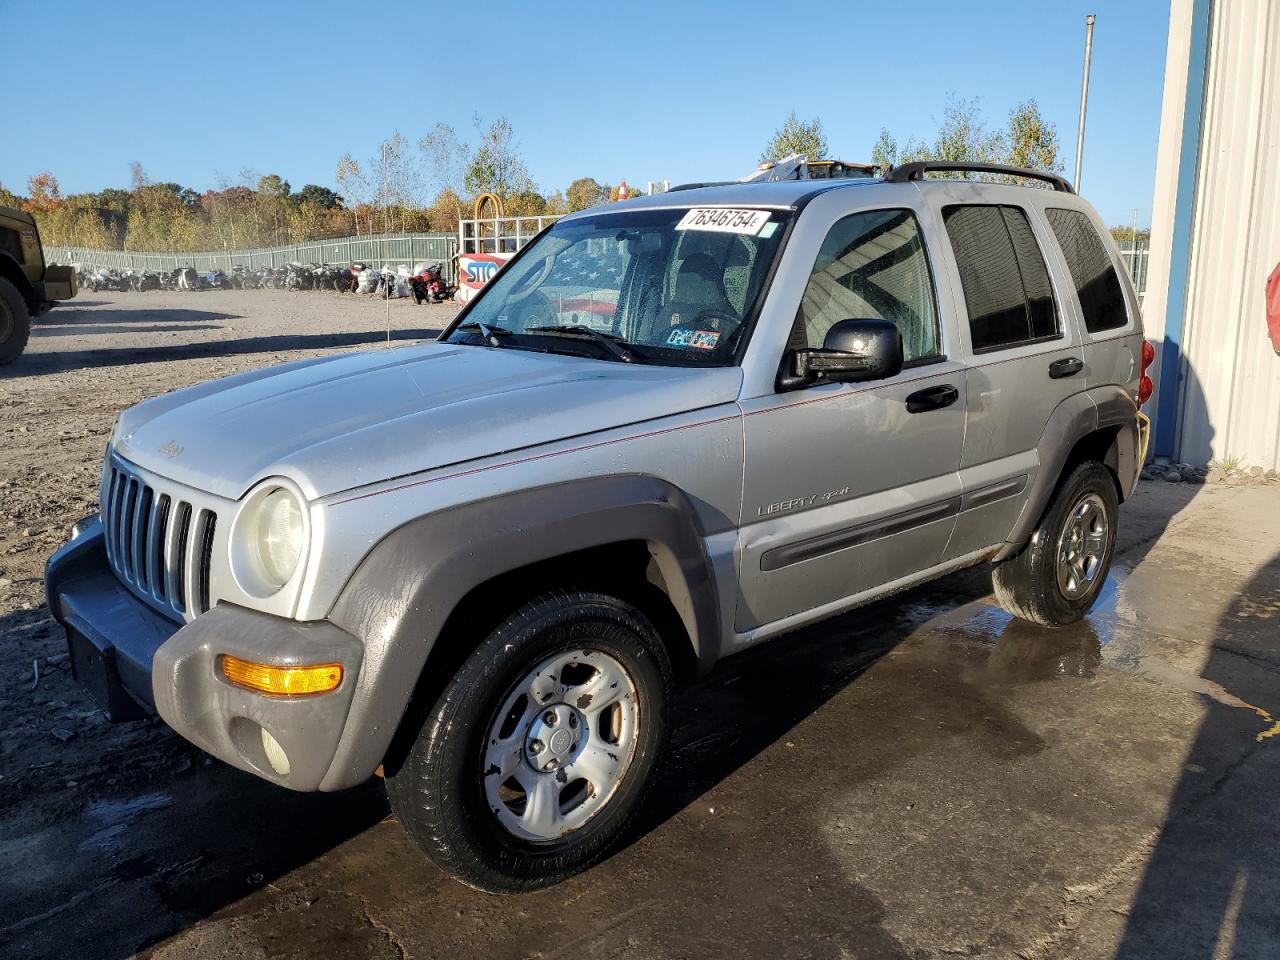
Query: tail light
{"x": 1145, "y": 386}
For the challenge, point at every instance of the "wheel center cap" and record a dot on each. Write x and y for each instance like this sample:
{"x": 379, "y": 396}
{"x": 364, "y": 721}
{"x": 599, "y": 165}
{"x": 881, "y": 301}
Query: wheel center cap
{"x": 553, "y": 736}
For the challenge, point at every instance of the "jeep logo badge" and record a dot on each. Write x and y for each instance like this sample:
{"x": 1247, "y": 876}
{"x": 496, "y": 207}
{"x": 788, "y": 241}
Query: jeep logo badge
{"x": 171, "y": 449}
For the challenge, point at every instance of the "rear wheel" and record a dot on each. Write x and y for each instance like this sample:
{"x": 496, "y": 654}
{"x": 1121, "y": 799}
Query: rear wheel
{"x": 1058, "y": 575}
{"x": 537, "y": 755}
{"x": 15, "y": 322}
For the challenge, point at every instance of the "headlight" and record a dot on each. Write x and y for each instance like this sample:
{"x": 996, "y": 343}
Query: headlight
{"x": 268, "y": 538}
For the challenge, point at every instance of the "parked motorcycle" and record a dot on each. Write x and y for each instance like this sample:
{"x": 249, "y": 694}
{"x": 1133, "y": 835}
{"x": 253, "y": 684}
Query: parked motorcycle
{"x": 429, "y": 285}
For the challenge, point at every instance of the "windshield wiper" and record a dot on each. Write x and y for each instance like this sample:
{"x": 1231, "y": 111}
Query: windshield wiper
{"x": 614, "y": 344}
{"x": 489, "y": 332}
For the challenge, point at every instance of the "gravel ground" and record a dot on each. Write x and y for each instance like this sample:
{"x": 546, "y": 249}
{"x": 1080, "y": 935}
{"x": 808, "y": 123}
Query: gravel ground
{"x": 923, "y": 778}
{"x": 88, "y": 360}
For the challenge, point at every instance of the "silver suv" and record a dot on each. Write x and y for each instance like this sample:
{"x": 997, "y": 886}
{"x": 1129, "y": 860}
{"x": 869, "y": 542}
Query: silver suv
{"x": 668, "y": 430}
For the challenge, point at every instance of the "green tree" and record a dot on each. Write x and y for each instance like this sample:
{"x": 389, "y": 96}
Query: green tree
{"x": 582, "y": 193}
{"x": 963, "y": 137}
{"x": 885, "y": 153}
{"x": 1033, "y": 141}
{"x": 318, "y": 196}
{"x": 795, "y": 136}
{"x": 496, "y": 165}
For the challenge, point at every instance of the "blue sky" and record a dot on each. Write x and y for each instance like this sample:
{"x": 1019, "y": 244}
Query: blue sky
{"x": 686, "y": 91}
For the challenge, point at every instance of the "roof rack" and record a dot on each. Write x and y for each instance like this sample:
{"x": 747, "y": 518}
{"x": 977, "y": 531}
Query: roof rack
{"x": 915, "y": 171}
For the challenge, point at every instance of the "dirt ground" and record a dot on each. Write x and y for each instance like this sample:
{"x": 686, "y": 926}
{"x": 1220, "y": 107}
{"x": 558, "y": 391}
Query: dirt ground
{"x": 925, "y": 778}
{"x": 86, "y": 361}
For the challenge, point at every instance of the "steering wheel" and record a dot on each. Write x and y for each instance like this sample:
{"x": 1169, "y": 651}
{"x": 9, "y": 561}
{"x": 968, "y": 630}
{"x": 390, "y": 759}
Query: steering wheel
{"x": 536, "y": 310}
{"x": 703, "y": 320}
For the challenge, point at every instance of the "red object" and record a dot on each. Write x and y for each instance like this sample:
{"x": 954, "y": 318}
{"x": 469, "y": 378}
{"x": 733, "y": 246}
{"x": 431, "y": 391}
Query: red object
{"x": 1145, "y": 386}
{"x": 623, "y": 192}
{"x": 1273, "y": 307}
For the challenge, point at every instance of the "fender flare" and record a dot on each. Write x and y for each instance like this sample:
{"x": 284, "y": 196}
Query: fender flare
{"x": 404, "y": 590}
{"x": 1074, "y": 419}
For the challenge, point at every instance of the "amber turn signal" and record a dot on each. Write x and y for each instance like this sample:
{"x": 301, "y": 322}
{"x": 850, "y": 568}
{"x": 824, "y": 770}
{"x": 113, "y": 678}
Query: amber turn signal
{"x": 282, "y": 681}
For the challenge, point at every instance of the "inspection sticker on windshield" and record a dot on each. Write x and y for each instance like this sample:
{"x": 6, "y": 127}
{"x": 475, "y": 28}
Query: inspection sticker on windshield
{"x": 725, "y": 220}
{"x": 694, "y": 339}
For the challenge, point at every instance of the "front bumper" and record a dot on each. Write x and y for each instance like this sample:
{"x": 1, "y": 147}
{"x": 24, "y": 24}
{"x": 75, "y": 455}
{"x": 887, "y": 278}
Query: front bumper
{"x": 134, "y": 660}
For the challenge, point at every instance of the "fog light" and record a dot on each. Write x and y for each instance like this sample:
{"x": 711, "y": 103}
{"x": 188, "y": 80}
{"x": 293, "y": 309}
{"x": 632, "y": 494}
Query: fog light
{"x": 282, "y": 681}
{"x": 276, "y": 756}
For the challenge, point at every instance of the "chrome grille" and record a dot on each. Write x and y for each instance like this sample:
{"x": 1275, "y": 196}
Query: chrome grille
{"x": 158, "y": 544}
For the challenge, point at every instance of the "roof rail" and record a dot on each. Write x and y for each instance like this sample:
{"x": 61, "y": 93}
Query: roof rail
{"x": 700, "y": 185}
{"x": 915, "y": 171}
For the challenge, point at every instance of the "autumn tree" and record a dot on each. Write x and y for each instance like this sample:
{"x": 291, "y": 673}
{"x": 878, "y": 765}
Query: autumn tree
{"x": 557, "y": 205}
{"x": 43, "y": 193}
{"x": 583, "y": 193}
{"x": 163, "y": 216}
{"x": 526, "y": 203}
{"x": 445, "y": 212}
{"x": 796, "y": 136}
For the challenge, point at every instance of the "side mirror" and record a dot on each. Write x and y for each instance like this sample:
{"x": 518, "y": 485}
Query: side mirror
{"x": 854, "y": 351}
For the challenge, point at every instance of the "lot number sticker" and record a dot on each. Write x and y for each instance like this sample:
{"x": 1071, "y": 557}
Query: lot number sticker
{"x": 725, "y": 220}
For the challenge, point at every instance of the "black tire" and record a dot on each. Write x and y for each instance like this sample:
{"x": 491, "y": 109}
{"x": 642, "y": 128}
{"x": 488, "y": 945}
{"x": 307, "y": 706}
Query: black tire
{"x": 437, "y": 793}
{"x": 1027, "y": 585}
{"x": 15, "y": 323}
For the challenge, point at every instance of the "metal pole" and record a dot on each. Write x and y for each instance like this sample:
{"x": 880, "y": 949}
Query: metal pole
{"x": 1084, "y": 94}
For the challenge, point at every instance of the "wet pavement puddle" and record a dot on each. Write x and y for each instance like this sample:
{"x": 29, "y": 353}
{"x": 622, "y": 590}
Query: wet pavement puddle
{"x": 113, "y": 819}
{"x": 1109, "y": 637}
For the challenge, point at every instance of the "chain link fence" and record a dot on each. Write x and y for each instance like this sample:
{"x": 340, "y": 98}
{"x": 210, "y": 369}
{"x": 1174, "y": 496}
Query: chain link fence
{"x": 376, "y": 250}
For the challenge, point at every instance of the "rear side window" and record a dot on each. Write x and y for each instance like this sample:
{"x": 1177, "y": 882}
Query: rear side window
{"x": 1092, "y": 272}
{"x": 1006, "y": 284}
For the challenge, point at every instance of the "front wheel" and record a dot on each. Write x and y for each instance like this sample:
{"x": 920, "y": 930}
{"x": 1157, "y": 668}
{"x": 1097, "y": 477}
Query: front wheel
{"x": 538, "y": 754}
{"x": 1058, "y": 575}
{"x": 15, "y": 322}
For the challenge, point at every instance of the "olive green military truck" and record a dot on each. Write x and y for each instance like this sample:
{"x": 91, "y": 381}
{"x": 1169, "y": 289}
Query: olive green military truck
{"x": 27, "y": 287}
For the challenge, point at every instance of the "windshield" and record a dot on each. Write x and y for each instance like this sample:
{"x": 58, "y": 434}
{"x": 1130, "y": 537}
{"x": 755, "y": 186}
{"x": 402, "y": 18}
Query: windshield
{"x": 649, "y": 286}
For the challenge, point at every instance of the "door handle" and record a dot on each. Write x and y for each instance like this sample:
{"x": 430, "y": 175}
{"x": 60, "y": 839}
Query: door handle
{"x": 933, "y": 398}
{"x": 1066, "y": 367}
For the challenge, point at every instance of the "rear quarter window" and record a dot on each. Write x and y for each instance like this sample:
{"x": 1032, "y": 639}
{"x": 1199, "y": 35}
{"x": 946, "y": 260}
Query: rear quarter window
{"x": 1092, "y": 272}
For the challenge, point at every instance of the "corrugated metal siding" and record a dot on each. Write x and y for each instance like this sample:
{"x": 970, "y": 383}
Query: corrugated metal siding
{"x": 1230, "y": 397}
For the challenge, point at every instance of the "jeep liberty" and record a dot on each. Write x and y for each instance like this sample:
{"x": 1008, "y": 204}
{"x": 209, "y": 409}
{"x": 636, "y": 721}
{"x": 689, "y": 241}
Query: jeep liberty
{"x": 667, "y": 430}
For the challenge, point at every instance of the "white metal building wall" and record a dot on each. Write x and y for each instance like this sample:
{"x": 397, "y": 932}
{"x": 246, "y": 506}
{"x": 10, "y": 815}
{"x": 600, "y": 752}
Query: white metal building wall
{"x": 1229, "y": 393}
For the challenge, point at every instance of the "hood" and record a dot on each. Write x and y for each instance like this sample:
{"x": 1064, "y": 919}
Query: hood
{"x": 340, "y": 422}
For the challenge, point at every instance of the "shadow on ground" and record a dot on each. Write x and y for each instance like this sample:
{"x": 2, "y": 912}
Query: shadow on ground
{"x": 1211, "y": 889}
{"x": 808, "y": 778}
{"x": 76, "y": 318}
{"x": 36, "y": 363}
{"x": 138, "y": 867}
